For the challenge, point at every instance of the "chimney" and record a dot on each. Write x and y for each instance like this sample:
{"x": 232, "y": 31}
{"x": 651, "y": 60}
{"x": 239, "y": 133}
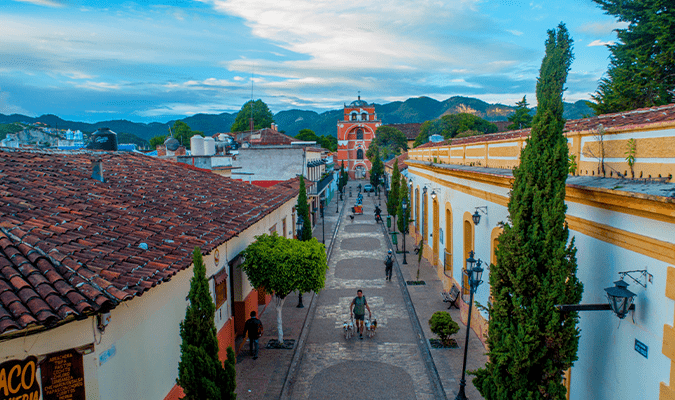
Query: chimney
{"x": 274, "y": 127}
{"x": 97, "y": 169}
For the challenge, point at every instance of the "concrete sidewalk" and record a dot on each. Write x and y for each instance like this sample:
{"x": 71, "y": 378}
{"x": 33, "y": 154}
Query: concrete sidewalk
{"x": 264, "y": 378}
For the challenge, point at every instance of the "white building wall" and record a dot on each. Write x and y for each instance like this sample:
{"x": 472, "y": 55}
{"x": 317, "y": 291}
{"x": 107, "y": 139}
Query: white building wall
{"x": 608, "y": 366}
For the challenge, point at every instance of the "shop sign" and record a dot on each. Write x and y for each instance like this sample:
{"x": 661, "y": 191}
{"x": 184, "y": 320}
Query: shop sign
{"x": 63, "y": 376}
{"x": 18, "y": 380}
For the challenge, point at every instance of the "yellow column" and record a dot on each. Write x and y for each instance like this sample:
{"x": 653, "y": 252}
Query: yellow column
{"x": 668, "y": 392}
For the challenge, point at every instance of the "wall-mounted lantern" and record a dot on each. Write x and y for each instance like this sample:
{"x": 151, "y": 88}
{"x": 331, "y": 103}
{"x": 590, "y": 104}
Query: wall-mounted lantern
{"x": 476, "y": 215}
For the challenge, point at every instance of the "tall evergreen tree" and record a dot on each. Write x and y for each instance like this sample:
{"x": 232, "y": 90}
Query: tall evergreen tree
{"x": 530, "y": 343}
{"x": 520, "y": 119}
{"x": 303, "y": 211}
{"x": 403, "y": 217}
{"x": 641, "y": 72}
{"x": 200, "y": 372}
{"x": 377, "y": 168}
{"x": 393, "y": 200}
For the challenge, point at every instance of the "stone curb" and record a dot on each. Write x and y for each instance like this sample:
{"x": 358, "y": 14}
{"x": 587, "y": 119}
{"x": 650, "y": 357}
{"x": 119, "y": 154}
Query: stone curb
{"x": 423, "y": 343}
{"x": 299, "y": 348}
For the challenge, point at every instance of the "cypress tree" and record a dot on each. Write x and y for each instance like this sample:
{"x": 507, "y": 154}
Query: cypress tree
{"x": 393, "y": 200}
{"x": 200, "y": 372}
{"x": 303, "y": 211}
{"x": 530, "y": 343}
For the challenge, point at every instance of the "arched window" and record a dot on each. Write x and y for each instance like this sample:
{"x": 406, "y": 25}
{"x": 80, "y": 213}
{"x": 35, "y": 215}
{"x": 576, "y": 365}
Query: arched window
{"x": 359, "y": 154}
{"x": 359, "y": 134}
{"x": 364, "y": 117}
{"x": 353, "y": 116}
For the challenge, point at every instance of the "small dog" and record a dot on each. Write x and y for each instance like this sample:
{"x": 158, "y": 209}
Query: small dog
{"x": 348, "y": 328}
{"x": 371, "y": 326}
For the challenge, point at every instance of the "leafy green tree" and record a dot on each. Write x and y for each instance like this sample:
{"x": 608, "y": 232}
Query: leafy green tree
{"x": 307, "y": 135}
{"x": 530, "y": 343}
{"x": 642, "y": 62}
{"x": 200, "y": 372}
{"x": 282, "y": 265}
{"x": 182, "y": 132}
{"x": 393, "y": 200}
{"x": 157, "y": 140}
{"x": 377, "y": 168}
{"x": 391, "y": 141}
{"x": 262, "y": 117}
{"x": 451, "y": 125}
{"x": 328, "y": 142}
{"x": 303, "y": 211}
{"x": 521, "y": 119}
{"x": 344, "y": 176}
{"x": 403, "y": 218}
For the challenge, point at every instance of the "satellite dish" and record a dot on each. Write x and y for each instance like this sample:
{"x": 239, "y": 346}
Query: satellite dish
{"x": 171, "y": 143}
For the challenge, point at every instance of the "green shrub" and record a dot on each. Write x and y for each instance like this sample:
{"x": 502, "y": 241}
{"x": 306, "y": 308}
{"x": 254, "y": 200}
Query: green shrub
{"x": 441, "y": 324}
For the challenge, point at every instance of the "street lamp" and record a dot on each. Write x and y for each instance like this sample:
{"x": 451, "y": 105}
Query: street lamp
{"x": 336, "y": 202}
{"x": 474, "y": 272}
{"x": 322, "y": 200}
{"x": 299, "y": 225}
{"x": 404, "y": 206}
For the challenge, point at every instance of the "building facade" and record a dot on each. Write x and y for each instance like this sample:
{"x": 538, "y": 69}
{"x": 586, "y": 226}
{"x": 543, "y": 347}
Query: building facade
{"x": 621, "y": 216}
{"x": 355, "y": 132}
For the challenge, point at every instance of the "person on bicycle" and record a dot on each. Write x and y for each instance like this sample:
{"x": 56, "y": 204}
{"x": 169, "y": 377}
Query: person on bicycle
{"x": 359, "y": 305}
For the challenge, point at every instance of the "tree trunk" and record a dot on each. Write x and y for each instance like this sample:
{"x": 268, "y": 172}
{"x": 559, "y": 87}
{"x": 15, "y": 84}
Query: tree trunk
{"x": 279, "y": 302}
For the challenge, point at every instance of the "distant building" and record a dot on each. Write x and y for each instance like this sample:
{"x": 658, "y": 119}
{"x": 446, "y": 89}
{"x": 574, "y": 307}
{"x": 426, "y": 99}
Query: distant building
{"x": 355, "y": 132}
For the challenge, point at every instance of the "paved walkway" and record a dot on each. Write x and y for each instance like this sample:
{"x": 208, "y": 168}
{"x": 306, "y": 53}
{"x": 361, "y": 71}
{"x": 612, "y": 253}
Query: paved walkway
{"x": 396, "y": 364}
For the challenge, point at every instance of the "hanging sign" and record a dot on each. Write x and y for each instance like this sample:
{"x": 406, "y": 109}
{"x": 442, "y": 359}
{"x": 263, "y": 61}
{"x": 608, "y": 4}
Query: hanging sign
{"x": 18, "y": 379}
{"x": 63, "y": 376}
{"x": 641, "y": 348}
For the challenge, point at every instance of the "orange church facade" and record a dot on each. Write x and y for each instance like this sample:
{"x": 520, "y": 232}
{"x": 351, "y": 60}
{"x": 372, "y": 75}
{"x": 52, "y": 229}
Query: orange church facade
{"x": 355, "y": 132}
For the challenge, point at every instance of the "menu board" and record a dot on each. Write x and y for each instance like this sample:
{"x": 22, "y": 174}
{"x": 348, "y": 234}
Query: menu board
{"x": 63, "y": 376}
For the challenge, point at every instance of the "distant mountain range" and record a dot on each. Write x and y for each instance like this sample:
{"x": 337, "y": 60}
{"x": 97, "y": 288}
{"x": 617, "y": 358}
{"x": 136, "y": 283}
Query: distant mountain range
{"x": 417, "y": 109}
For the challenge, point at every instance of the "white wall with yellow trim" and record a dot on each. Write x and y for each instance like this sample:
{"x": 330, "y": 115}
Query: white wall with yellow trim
{"x": 612, "y": 235}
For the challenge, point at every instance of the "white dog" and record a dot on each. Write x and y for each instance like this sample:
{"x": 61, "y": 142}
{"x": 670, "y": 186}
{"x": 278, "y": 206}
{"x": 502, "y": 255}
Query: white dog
{"x": 371, "y": 326}
{"x": 348, "y": 328}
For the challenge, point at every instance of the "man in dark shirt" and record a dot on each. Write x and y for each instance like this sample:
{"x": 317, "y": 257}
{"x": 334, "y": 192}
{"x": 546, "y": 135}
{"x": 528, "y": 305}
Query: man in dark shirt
{"x": 254, "y": 330}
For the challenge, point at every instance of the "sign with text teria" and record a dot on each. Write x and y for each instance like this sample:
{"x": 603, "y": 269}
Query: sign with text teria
{"x": 63, "y": 376}
{"x": 18, "y": 380}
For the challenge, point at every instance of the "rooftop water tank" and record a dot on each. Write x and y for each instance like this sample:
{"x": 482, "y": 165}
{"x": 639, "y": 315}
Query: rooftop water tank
{"x": 197, "y": 145}
{"x": 209, "y": 146}
{"x": 103, "y": 139}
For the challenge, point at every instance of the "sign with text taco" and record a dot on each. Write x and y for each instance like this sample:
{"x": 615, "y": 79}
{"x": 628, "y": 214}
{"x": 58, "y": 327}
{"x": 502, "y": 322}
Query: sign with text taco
{"x": 18, "y": 380}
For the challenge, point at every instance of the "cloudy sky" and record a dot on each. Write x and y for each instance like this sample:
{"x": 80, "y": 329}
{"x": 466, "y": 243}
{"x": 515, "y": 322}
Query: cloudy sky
{"x": 147, "y": 60}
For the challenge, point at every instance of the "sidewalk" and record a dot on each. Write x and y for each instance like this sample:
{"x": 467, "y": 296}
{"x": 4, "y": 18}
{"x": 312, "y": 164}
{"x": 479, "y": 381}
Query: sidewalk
{"x": 264, "y": 378}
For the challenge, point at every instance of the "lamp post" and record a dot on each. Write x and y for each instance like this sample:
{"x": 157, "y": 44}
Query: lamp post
{"x": 299, "y": 225}
{"x": 404, "y": 206}
{"x": 336, "y": 202}
{"x": 322, "y": 200}
{"x": 475, "y": 272}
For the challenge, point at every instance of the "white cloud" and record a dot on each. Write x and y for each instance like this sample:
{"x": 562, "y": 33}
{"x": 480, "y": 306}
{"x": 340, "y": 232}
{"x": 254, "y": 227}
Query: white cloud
{"x": 599, "y": 43}
{"x": 47, "y": 3}
{"x": 514, "y": 32}
{"x": 100, "y": 86}
{"x": 601, "y": 28}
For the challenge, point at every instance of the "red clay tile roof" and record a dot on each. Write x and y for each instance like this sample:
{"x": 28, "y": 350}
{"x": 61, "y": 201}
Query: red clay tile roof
{"x": 627, "y": 119}
{"x": 270, "y": 137}
{"x": 401, "y": 164}
{"x": 410, "y": 130}
{"x": 71, "y": 245}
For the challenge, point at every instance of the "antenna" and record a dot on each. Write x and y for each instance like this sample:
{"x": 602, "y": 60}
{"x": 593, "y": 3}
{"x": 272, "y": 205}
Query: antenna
{"x": 251, "y": 119}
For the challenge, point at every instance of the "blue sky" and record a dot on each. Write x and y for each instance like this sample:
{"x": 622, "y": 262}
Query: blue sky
{"x": 154, "y": 61}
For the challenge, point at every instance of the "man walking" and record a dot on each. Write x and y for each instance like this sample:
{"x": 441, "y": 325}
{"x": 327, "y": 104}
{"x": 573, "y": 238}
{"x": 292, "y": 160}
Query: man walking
{"x": 359, "y": 305}
{"x": 254, "y": 329}
{"x": 388, "y": 265}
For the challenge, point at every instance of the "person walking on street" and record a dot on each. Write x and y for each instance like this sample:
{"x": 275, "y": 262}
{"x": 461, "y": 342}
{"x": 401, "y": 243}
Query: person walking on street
{"x": 254, "y": 329}
{"x": 388, "y": 266}
{"x": 359, "y": 305}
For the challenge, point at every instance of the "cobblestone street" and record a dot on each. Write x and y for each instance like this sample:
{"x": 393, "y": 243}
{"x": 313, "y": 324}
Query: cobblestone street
{"x": 388, "y": 366}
